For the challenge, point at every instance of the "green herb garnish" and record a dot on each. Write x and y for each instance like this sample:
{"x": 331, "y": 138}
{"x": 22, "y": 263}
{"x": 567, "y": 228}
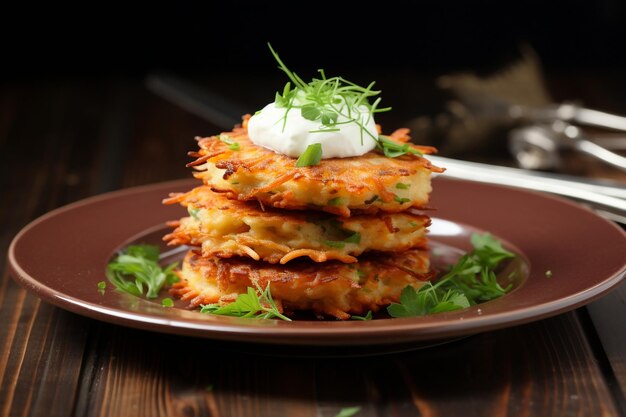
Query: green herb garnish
{"x": 392, "y": 149}
{"x": 348, "y": 412}
{"x": 193, "y": 212}
{"x": 102, "y": 285}
{"x": 253, "y": 304}
{"x": 232, "y": 145}
{"x": 137, "y": 268}
{"x": 401, "y": 200}
{"x": 371, "y": 200}
{"x": 337, "y": 201}
{"x": 402, "y": 186}
{"x": 366, "y": 317}
{"x": 353, "y": 238}
{"x": 335, "y": 244}
{"x": 312, "y": 155}
{"x": 470, "y": 281}
{"x": 167, "y": 302}
{"x": 325, "y": 99}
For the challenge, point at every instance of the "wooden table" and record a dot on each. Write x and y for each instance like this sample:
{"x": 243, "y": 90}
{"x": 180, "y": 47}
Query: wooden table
{"x": 62, "y": 141}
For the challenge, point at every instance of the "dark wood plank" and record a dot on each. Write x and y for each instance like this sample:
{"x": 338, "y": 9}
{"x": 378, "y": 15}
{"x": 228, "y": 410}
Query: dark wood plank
{"x": 541, "y": 369}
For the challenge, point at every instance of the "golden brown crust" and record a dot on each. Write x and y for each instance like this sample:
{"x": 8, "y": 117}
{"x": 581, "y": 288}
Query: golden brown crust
{"x": 367, "y": 183}
{"x": 225, "y": 228}
{"x": 328, "y": 289}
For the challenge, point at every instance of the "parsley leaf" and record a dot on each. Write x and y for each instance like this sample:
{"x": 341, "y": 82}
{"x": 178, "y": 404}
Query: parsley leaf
{"x": 253, "y": 304}
{"x": 137, "y": 268}
{"x": 470, "y": 281}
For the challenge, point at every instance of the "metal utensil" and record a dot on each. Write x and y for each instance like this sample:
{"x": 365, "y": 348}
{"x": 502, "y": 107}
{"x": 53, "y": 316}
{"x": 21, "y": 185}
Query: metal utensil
{"x": 608, "y": 197}
{"x": 537, "y": 146}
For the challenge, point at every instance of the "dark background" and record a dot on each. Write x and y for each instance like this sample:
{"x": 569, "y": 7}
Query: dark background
{"x": 221, "y": 48}
{"x": 102, "y": 38}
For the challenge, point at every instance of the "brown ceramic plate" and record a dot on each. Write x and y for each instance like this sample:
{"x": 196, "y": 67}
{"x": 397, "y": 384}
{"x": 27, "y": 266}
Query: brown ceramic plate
{"x": 62, "y": 256}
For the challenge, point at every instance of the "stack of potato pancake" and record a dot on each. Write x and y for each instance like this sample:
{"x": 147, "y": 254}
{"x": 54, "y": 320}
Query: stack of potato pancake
{"x": 339, "y": 238}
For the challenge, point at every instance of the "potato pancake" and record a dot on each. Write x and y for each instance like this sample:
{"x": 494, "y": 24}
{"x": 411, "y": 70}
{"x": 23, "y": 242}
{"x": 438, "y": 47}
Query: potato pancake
{"x": 370, "y": 183}
{"x": 225, "y": 228}
{"x": 329, "y": 289}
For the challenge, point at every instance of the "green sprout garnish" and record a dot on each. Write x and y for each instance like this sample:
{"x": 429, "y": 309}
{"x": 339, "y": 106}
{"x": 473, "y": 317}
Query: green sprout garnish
{"x": 326, "y": 99}
{"x": 392, "y": 149}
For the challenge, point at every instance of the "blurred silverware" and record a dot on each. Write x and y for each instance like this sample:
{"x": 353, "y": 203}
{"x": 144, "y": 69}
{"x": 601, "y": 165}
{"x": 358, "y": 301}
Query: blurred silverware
{"x": 515, "y": 100}
{"x": 537, "y": 146}
{"x": 607, "y": 197}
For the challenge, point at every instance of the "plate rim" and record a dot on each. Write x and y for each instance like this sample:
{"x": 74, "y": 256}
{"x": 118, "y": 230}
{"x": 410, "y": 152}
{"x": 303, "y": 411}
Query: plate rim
{"x": 469, "y": 321}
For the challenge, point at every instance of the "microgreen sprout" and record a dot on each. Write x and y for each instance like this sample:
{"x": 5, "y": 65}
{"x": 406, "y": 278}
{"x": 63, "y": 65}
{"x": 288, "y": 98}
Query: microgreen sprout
{"x": 326, "y": 99}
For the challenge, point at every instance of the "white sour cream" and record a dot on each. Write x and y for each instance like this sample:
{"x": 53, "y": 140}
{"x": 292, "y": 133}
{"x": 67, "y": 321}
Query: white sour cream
{"x": 269, "y": 129}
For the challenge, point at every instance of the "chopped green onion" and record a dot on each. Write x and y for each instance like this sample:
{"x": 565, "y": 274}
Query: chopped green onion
{"x": 402, "y": 186}
{"x": 193, "y": 212}
{"x": 334, "y": 244}
{"x": 371, "y": 200}
{"x": 335, "y": 201}
{"x": 354, "y": 238}
{"x": 232, "y": 145}
{"x": 311, "y": 156}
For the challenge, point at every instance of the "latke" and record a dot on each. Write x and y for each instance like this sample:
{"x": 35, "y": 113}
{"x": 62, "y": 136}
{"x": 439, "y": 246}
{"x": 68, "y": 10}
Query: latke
{"x": 329, "y": 289}
{"x": 370, "y": 183}
{"x": 225, "y": 228}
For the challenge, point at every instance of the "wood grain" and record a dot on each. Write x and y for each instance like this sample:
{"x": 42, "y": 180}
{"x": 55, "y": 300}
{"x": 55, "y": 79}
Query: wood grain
{"x": 65, "y": 141}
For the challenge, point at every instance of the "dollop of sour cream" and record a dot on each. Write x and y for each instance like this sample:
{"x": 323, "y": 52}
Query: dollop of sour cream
{"x": 291, "y": 137}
